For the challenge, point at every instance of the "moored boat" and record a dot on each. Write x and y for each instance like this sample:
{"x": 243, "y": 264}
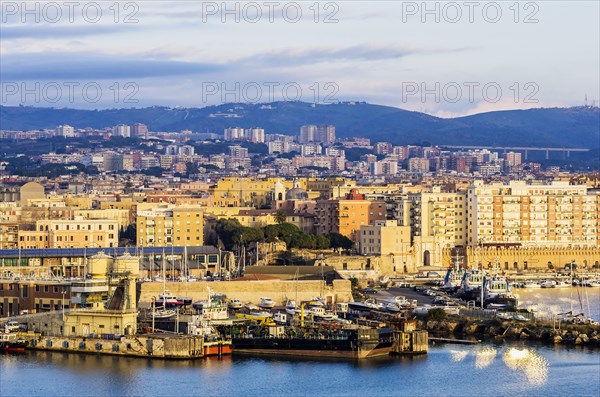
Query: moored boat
{"x": 10, "y": 342}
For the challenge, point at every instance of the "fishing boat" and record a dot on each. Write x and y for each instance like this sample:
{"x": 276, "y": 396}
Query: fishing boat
{"x": 497, "y": 293}
{"x": 10, "y": 342}
{"x": 454, "y": 276}
{"x": 471, "y": 284}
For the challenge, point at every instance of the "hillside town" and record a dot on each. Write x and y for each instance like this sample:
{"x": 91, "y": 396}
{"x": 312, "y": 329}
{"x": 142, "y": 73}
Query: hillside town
{"x": 111, "y": 228}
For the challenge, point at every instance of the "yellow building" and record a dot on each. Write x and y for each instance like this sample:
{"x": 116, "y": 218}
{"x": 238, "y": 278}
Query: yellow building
{"x": 168, "y": 225}
{"x": 245, "y": 191}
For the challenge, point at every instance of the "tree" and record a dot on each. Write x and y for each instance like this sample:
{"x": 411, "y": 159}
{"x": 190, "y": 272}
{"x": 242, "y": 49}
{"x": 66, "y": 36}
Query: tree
{"x": 280, "y": 217}
{"x": 321, "y": 242}
{"x": 337, "y": 240}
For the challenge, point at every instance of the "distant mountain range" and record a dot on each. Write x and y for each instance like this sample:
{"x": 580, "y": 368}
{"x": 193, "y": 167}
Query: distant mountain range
{"x": 549, "y": 127}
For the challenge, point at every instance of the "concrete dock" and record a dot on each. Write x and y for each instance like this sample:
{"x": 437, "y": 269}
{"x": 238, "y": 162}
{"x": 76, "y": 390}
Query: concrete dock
{"x": 148, "y": 346}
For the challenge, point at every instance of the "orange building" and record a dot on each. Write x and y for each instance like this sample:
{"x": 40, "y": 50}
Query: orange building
{"x": 346, "y": 216}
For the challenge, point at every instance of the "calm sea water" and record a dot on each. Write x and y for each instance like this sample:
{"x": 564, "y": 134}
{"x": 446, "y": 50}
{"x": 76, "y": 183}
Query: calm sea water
{"x": 548, "y": 301}
{"x": 450, "y": 370}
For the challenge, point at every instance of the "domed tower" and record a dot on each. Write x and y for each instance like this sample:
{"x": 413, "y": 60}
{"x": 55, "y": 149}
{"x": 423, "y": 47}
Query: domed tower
{"x": 296, "y": 193}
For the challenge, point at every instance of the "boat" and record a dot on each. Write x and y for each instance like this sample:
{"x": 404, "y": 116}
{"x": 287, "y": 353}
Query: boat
{"x": 563, "y": 284}
{"x": 520, "y": 317}
{"x": 159, "y": 313}
{"x": 548, "y": 284}
{"x": 235, "y": 304}
{"x": 319, "y": 312}
{"x": 497, "y": 293}
{"x": 168, "y": 300}
{"x": 266, "y": 303}
{"x": 358, "y": 342}
{"x": 281, "y": 318}
{"x": 454, "y": 276}
{"x": 10, "y": 342}
{"x": 504, "y": 315}
{"x": 290, "y": 307}
{"x": 211, "y": 309}
{"x": 470, "y": 286}
{"x": 251, "y": 307}
{"x": 592, "y": 283}
{"x": 532, "y": 284}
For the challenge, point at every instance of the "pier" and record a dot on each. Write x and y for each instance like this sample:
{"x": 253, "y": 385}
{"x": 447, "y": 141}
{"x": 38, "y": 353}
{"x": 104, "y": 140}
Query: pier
{"x": 148, "y": 346}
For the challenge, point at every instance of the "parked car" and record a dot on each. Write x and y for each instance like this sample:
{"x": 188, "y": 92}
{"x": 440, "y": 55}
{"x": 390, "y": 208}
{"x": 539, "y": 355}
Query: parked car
{"x": 369, "y": 290}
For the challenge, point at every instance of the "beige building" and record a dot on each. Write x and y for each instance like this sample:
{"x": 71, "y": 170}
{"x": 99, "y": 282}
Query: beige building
{"x": 384, "y": 238}
{"x": 168, "y": 225}
{"x": 437, "y": 220}
{"x": 549, "y": 215}
{"x": 122, "y": 216}
{"x": 72, "y": 233}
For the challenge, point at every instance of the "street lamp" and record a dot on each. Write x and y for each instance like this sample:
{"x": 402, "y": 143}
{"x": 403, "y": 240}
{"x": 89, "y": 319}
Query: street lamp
{"x": 153, "y": 311}
{"x": 63, "y": 304}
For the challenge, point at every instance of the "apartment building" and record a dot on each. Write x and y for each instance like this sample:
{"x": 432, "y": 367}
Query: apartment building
{"x": 71, "y": 233}
{"x": 384, "y": 238}
{"x": 169, "y": 225}
{"x": 550, "y": 215}
{"x": 346, "y": 216}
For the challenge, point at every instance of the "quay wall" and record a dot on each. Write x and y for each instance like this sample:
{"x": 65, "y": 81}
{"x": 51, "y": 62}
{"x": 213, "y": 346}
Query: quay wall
{"x": 251, "y": 291}
{"x": 138, "y": 346}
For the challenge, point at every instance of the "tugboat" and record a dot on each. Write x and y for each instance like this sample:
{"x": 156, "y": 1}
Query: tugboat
{"x": 497, "y": 293}
{"x": 10, "y": 342}
{"x": 454, "y": 276}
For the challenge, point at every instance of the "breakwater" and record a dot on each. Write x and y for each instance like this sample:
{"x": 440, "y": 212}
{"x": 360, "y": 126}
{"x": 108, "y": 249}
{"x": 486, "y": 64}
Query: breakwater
{"x": 495, "y": 329}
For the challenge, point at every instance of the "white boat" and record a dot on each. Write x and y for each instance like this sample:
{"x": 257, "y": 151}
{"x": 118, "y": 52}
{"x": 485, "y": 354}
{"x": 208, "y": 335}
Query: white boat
{"x": 320, "y": 312}
{"x": 563, "y": 284}
{"x": 163, "y": 313}
{"x": 290, "y": 307}
{"x": 262, "y": 313}
{"x": 532, "y": 284}
{"x": 251, "y": 307}
{"x": 504, "y": 315}
{"x": 235, "y": 304}
{"x": 592, "y": 283}
{"x": 266, "y": 303}
{"x": 548, "y": 284}
{"x": 168, "y": 300}
{"x": 520, "y": 317}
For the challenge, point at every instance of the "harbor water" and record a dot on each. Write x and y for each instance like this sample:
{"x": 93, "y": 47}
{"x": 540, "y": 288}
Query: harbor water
{"x": 552, "y": 301}
{"x": 457, "y": 370}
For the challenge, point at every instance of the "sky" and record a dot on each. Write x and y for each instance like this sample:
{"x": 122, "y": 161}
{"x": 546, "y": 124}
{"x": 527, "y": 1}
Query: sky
{"x": 447, "y": 59}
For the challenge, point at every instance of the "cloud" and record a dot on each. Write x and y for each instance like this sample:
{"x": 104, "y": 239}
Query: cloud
{"x": 55, "y": 31}
{"x": 85, "y": 66}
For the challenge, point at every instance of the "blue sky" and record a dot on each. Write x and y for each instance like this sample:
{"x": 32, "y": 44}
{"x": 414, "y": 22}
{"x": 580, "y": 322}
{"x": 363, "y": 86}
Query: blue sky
{"x": 532, "y": 54}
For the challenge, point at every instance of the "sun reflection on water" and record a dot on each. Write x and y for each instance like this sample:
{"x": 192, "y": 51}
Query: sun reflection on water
{"x": 534, "y": 366}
